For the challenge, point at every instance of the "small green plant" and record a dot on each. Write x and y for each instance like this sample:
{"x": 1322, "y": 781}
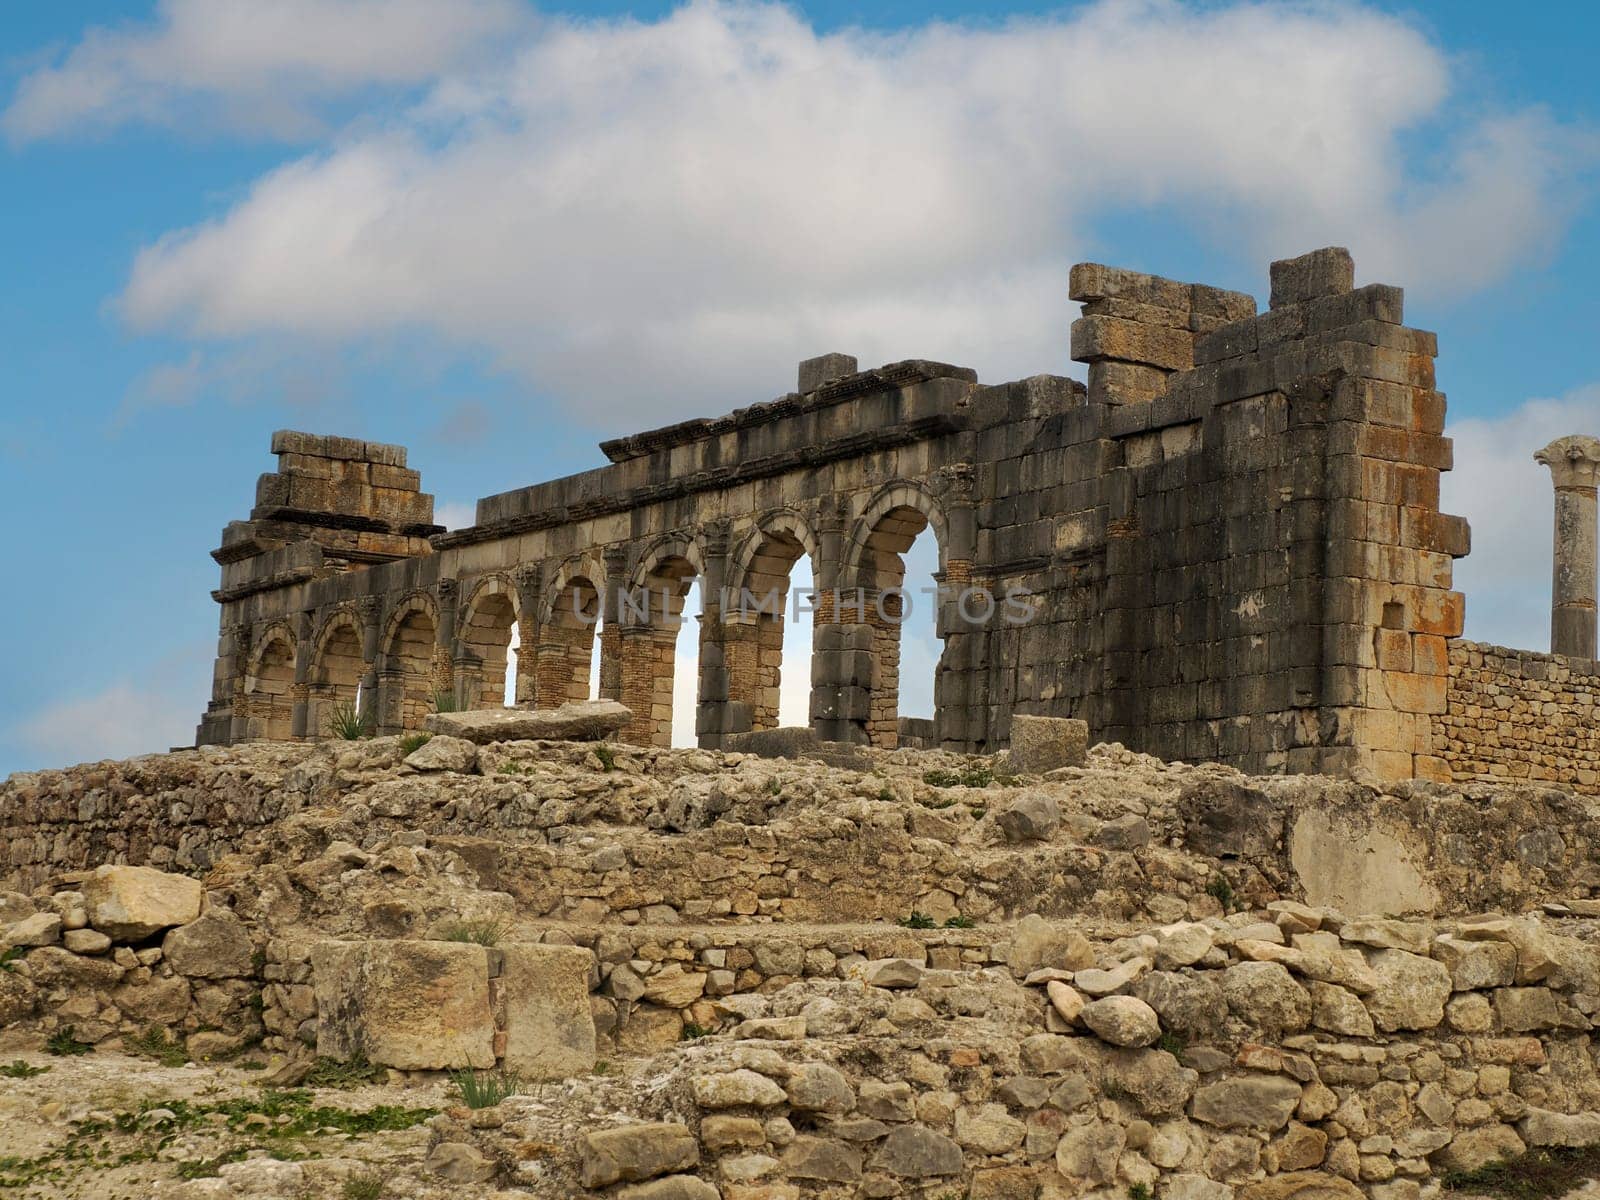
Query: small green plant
{"x": 602, "y": 1067}
{"x": 345, "y": 721}
{"x": 886, "y": 795}
{"x": 21, "y": 1070}
{"x": 63, "y": 1044}
{"x": 939, "y": 802}
{"x": 606, "y": 755}
{"x": 1140, "y": 1191}
{"x": 251, "y": 1064}
{"x": 410, "y": 743}
{"x": 940, "y": 778}
{"x": 367, "y": 1186}
{"x": 978, "y": 811}
{"x": 9, "y": 956}
{"x": 919, "y": 921}
{"x": 972, "y": 777}
{"x": 692, "y": 1032}
{"x": 445, "y": 702}
{"x": 484, "y": 931}
{"x": 774, "y": 788}
{"x": 154, "y": 1043}
{"x": 204, "y": 1168}
{"x": 1222, "y": 891}
{"x": 330, "y": 1073}
{"x": 485, "y": 1089}
{"x": 1172, "y": 1043}
{"x": 959, "y": 922}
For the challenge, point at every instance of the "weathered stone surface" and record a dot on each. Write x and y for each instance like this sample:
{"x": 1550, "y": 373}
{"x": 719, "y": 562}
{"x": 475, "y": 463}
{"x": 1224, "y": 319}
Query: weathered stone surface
{"x": 19, "y": 998}
{"x": 1122, "y": 1020}
{"x": 1541, "y": 1127}
{"x": 674, "y": 987}
{"x": 1029, "y": 818}
{"x": 1181, "y": 945}
{"x": 736, "y": 1089}
{"x": 1475, "y": 965}
{"x": 85, "y": 941}
{"x": 459, "y": 1162}
{"x": 1412, "y": 993}
{"x": 631, "y": 1153}
{"x": 670, "y": 1187}
{"x": 442, "y": 752}
{"x": 411, "y": 1005}
{"x": 41, "y": 929}
{"x": 1189, "y": 1004}
{"x": 549, "y": 1024}
{"x": 989, "y": 1129}
{"x": 1037, "y": 942}
{"x": 720, "y": 1131}
{"x": 1040, "y": 744}
{"x": 1301, "y": 1185}
{"x": 216, "y": 945}
{"x": 1089, "y": 1153}
{"x": 1478, "y": 1147}
{"x": 1339, "y": 1011}
{"x": 575, "y": 721}
{"x": 131, "y": 903}
{"x": 894, "y": 973}
{"x": 1412, "y": 936}
{"x": 886, "y": 1101}
{"x": 826, "y": 1159}
{"x": 818, "y": 1087}
{"x": 1066, "y": 1000}
{"x": 1266, "y": 995}
{"x": 1249, "y": 1102}
{"x": 917, "y": 1152}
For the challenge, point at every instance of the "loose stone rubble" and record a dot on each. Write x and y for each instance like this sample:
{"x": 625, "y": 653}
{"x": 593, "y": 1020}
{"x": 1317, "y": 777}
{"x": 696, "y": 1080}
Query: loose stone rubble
{"x": 721, "y": 975}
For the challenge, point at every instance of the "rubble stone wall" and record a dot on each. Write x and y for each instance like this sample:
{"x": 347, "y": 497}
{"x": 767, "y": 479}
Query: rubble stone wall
{"x": 1515, "y": 714}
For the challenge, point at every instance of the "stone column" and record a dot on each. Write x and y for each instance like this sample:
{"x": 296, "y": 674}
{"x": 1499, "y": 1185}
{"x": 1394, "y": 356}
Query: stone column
{"x": 448, "y": 594}
{"x": 239, "y": 727}
{"x": 530, "y": 629}
{"x": 301, "y": 718}
{"x": 616, "y": 560}
{"x": 371, "y": 609}
{"x": 1574, "y": 464}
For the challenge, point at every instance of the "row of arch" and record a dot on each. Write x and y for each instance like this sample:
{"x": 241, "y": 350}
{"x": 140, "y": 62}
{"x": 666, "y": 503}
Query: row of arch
{"x": 503, "y": 647}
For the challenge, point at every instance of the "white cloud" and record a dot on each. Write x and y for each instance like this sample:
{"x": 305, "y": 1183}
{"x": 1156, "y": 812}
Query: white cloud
{"x": 118, "y": 722}
{"x": 1509, "y": 501}
{"x": 454, "y": 514}
{"x": 642, "y": 219}
{"x": 258, "y": 67}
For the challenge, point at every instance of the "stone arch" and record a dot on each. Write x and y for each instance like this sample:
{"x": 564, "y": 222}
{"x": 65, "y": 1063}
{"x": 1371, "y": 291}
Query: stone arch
{"x": 269, "y": 685}
{"x": 483, "y": 641}
{"x": 569, "y": 629}
{"x": 337, "y": 666}
{"x": 874, "y": 577}
{"x": 756, "y": 608}
{"x": 411, "y": 676}
{"x": 652, "y": 616}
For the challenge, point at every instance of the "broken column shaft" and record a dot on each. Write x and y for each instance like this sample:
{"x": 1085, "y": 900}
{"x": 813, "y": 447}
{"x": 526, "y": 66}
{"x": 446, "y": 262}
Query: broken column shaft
{"x": 1574, "y": 464}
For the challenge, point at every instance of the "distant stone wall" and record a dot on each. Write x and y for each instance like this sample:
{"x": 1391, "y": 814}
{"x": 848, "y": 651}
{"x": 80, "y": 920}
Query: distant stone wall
{"x": 1515, "y": 714}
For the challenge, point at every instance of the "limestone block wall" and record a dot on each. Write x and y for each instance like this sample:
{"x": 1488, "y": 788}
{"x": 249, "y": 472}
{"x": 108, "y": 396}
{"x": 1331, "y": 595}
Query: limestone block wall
{"x": 1515, "y": 714}
{"x": 1229, "y": 542}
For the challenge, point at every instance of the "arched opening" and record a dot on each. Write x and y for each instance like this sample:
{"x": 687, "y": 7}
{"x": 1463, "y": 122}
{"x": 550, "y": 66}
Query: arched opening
{"x": 768, "y": 654}
{"x": 409, "y": 683}
{"x": 269, "y": 691}
{"x": 486, "y": 666}
{"x": 660, "y": 651}
{"x": 568, "y": 667}
{"x": 335, "y": 676}
{"x": 898, "y": 575}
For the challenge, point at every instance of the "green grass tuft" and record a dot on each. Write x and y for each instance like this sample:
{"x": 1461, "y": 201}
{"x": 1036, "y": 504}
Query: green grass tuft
{"x": 692, "y": 1032}
{"x": 330, "y": 1073}
{"x": 63, "y": 1044}
{"x": 155, "y": 1043}
{"x": 1220, "y": 889}
{"x": 918, "y": 921}
{"x": 1140, "y": 1191}
{"x": 345, "y": 722}
{"x": 366, "y": 1186}
{"x": 10, "y": 955}
{"x": 18, "y": 1069}
{"x": 445, "y": 702}
{"x": 484, "y": 931}
{"x": 959, "y": 922}
{"x": 606, "y": 755}
{"x": 485, "y": 1089}
{"x": 1542, "y": 1174}
{"x": 410, "y": 743}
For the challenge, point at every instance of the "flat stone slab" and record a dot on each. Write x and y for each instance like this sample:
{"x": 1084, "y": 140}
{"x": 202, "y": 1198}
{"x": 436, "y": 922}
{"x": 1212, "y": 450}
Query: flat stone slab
{"x": 1040, "y": 744}
{"x": 578, "y": 721}
{"x": 549, "y": 1025}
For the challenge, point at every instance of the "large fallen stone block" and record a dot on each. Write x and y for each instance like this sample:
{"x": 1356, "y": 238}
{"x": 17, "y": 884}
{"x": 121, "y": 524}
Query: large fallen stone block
{"x": 635, "y": 1152}
{"x": 549, "y": 1025}
{"x": 1040, "y": 744}
{"x": 133, "y": 903}
{"x": 578, "y": 721}
{"x": 216, "y": 946}
{"x": 411, "y": 1005}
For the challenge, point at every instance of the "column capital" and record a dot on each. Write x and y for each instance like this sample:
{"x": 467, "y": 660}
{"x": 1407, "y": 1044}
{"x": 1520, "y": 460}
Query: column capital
{"x": 1574, "y": 461}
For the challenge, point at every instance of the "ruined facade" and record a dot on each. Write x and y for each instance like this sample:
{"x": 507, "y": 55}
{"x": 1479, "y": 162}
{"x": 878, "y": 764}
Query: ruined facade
{"x": 1231, "y": 537}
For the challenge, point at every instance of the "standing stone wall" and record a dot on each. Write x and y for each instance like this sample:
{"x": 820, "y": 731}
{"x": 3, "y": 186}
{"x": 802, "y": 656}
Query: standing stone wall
{"x": 1229, "y": 542}
{"x": 1515, "y": 714}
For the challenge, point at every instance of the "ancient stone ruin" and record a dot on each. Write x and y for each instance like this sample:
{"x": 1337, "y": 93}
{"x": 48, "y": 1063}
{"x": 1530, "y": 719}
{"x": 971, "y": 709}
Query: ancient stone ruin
{"x": 1229, "y": 548}
{"x": 382, "y": 935}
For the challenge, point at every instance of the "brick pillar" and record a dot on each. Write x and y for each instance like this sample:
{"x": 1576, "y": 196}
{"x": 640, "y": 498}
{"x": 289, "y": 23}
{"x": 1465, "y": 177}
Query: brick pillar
{"x": 1574, "y": 464}
{"x": 371, "y": 609}
{"x": 841, "y": 670}
{"x": 447, "y": 593}
{"x": 241, "y": 636}
{"x": 953, "y": 720}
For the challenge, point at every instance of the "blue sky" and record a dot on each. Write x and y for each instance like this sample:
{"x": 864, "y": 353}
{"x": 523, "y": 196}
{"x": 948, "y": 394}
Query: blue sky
{"x": 497, "y": 234}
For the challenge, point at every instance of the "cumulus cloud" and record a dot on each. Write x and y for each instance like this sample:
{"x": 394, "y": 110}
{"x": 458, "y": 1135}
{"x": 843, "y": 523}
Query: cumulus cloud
{"x": 245, "y": 65}
{"x": 643, "y": 219}
{"x": 1509, "y": 500}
